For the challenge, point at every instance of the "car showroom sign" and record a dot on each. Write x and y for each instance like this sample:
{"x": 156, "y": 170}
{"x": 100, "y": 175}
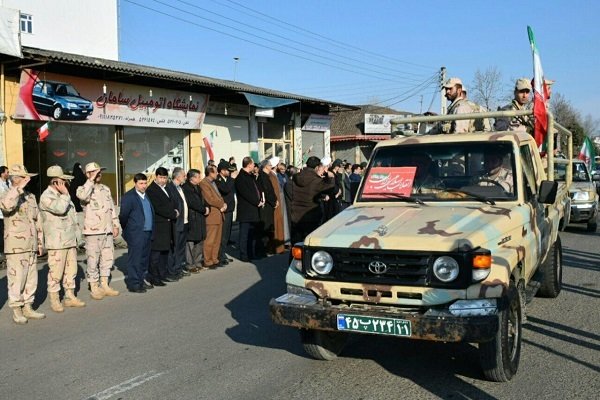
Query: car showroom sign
{"x": 47, "y": 96}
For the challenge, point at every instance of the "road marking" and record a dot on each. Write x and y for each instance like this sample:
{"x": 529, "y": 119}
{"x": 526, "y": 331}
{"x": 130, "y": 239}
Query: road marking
{"x": 125, "y": 386}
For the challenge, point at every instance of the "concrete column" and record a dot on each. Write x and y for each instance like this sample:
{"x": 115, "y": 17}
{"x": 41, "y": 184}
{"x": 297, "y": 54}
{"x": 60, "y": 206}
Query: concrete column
{"x": 297, "y": 140}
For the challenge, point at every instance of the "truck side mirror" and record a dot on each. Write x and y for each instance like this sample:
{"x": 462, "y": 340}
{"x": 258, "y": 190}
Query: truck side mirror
{"x": 547, "y": 194}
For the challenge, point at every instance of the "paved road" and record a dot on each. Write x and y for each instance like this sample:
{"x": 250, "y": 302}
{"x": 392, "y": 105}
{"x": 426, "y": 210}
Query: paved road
{"x": 210, "y": 337}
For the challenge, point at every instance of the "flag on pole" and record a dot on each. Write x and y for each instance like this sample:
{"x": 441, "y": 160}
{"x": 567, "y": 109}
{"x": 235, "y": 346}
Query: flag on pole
{"x": 587, "y": 153}
{"x": 540, "y": 94}
{"x": 209, "y": 149}
{"x": 43, "y": 131}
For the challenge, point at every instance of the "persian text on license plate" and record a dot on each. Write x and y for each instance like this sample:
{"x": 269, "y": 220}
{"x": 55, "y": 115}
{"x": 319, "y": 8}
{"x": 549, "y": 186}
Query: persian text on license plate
{"x": 377, "y": 325}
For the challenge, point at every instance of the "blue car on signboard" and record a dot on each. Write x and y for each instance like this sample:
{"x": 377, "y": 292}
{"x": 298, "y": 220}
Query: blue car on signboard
{"x": 60, "y": 100}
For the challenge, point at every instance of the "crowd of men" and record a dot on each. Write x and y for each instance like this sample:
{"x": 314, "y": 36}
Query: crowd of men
{"x": 180, "y": 223}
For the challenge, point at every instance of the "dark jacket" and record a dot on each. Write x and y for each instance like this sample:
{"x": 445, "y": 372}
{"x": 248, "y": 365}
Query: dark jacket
{"x": 131, "y": 215}
{"x": 164, "y": 215}
{"x": 178, "y": 201}
{"x": 227, "y": 190}
{"x": 196, "y": 211}
{"x": 346, "y": 188}
{"x": 248, "y": 197}
{"x": 266, "y": 213}
{"x": 307, "y": 191}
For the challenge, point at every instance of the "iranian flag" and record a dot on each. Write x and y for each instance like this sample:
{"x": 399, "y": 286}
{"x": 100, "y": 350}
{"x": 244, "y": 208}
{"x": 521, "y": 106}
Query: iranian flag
{"x": 209, "y": 149}
{"x": 587, "y": 153}
{"x": 540, "y": 94}
{"x": 43, "y": 132}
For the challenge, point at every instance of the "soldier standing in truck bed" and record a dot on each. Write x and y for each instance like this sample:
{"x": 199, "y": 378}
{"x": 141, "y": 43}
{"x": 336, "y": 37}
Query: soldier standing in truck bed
{"x": 520, "y": 102}
{"x": 459, "y": 105}
{"x": 23, "y": 241}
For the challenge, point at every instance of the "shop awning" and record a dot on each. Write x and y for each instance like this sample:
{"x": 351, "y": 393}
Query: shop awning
{"x": 259, "y": 101}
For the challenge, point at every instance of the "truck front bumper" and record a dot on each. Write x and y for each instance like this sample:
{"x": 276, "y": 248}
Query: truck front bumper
{"x": 297, "y": 312}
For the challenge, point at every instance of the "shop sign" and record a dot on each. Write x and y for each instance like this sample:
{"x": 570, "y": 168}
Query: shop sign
{"x": 380, "y": 123}
{"x": 319, "y": 123}
{"x": 265, "y": 112}
{"x": 46, "y": 96}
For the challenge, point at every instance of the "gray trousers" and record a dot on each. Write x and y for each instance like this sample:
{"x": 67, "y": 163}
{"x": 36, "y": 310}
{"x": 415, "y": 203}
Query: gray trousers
{"x": 193, "y": 253}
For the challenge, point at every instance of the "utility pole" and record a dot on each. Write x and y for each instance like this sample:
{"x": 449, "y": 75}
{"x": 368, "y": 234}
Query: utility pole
{"x": 442, "y": 92}
{"x": 235, "y": 63}
{"x": 421, "y": 107}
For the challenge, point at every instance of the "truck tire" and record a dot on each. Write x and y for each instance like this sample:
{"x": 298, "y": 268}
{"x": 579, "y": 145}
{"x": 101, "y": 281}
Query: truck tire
{"x": 592, "y": 226}
{"x": 500, "y": 356}
{"x": 322, "y": 345}
{"x": 551, "y": 270}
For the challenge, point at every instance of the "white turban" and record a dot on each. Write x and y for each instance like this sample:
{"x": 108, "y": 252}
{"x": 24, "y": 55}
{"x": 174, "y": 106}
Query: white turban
{"x": 274, "y": 161}
{"x": 325, "y": 161}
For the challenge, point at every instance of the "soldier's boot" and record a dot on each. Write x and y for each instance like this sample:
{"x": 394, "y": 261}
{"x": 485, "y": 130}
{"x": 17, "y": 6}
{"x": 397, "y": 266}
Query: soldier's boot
{"x": 96, "y": 291}
{"x": 30, "y": 313}
{"x": 71, "y": 300}
{"x": 55, "y": 303}
{"x": 18, "y": 316}
{"x": 108, "y": 291}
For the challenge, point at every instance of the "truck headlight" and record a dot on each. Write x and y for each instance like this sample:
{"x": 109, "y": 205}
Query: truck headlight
{"x": 445, "y": 268}
{"x": 581, "y": 196}
{"x": 321, "y": 262}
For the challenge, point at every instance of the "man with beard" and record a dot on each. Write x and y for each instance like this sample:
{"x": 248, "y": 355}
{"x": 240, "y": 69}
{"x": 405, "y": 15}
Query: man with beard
{"x": 162, "y": 235}
{"x": 249, "y": 203}
{"x": 196, "y": 220}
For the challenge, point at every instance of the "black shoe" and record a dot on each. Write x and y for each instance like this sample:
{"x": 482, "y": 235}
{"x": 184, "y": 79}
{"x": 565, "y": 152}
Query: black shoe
{"x": 136, "y": 289}
{"x": 230, "y": 260}
{"x": 224, "y": 263}
{"x": 185, "y": 272}
{"x": 159, "y": 283}
{"x": 244, "y": 259}
{"x": 174, "y": 278}
{"x": 230, "y": 242}
{"x": 147, "y": 285}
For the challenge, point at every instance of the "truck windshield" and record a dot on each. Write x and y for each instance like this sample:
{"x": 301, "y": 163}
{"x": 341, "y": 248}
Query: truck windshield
{"x": 580, "y": 173}
{"x": 480, "y": 171}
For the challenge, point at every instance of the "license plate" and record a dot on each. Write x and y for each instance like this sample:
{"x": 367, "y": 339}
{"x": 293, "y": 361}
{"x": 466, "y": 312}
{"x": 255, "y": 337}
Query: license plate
{"x": 377, "y": 325}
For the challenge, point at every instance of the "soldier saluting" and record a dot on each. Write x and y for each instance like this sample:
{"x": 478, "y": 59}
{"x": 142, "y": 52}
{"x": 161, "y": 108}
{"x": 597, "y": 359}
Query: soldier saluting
{"x": 61, "y": 231}
{"x": 23, "y": 241}
{"x": 100, "y": 227}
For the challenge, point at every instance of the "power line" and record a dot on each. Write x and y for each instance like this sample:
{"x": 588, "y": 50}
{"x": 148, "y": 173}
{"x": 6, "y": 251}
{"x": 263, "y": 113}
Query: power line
{"x": 413, "y": 94}
{"x": 361, "y": 62}
{"x": 337, "y": 43}
{"x": 425, "y": 83}
{"x": 253, "y": 42}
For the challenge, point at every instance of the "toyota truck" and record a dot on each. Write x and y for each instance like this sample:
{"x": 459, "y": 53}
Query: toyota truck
{"x": 448, "y": 238}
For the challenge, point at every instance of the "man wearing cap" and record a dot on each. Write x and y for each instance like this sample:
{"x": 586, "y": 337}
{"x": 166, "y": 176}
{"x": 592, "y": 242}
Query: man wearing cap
{"x": 100, "y": 227}
{"x": 520, "y": 102}
{"x": 458, "y": 105}
{"x": 23, "y": 241}
{"x": 61, "y": 231}
{"x": 226, "y": 186}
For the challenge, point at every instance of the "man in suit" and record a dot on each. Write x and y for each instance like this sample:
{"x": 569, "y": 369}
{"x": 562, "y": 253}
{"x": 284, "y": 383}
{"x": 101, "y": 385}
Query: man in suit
{"x": 197, "y": 220}
{"x": 249, "y": 202}
{"x": 162, "y": 235}
{"x": 176, "y": 266}
{"x": 214, "y": 220}
{"x": 226, "y": 186}
{"x": 136, "y": 217}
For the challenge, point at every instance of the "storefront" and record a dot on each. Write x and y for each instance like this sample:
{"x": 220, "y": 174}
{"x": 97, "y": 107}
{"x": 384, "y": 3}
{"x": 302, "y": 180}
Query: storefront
{"x": 315, "y": 136}
{"x": 125, "y": 128}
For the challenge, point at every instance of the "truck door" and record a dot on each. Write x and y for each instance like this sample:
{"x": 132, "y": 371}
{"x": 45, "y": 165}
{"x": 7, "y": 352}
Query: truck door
{"x": 537, "y": 229}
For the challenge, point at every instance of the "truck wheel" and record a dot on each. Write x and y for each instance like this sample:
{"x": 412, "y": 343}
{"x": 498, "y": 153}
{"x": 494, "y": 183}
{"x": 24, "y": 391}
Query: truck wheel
{"x": 551, "y": 269}
{"x": 322, "y": 345}
{"x": 500, "y": 356}
{"x": 592, "y": 226}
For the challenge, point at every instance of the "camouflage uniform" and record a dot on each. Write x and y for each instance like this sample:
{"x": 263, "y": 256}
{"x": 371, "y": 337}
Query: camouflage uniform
{"x": 100, "y": 217}
{"x": 504, "y": 177}
{"x": 62, "y": 232}
{"x": 518, "y": 124}
{"x": 23, "y": 237}
{"x": 463, "y": 106}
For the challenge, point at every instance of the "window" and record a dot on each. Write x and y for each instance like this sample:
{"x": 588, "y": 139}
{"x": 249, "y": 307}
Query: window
{"x": 26, "y": 23}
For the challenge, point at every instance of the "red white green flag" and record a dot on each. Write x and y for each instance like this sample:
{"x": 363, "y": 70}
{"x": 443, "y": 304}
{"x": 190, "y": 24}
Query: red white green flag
{"x": 587, "y": 153}
{"x": 43, "y": 131}
{"x": 540, "y": 94}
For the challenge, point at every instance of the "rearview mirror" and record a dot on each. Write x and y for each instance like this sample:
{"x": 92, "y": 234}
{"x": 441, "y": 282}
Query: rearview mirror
{"x": 547, "y": 194}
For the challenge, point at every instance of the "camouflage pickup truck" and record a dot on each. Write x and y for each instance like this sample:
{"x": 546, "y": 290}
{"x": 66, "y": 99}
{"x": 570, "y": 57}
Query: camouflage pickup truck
{"x": 448, "y": 237}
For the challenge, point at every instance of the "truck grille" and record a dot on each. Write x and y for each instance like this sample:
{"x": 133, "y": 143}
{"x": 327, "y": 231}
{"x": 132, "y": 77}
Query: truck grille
{"x": 352, "y": 265}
